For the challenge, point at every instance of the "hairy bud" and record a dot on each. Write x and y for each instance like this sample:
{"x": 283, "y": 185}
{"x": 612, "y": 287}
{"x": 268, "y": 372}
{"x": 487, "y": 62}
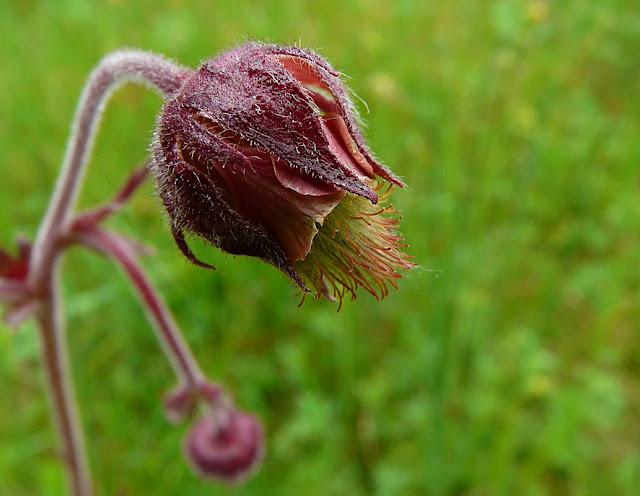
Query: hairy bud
{"x": 260, "y": 153}
{"x": 225, "y": 445}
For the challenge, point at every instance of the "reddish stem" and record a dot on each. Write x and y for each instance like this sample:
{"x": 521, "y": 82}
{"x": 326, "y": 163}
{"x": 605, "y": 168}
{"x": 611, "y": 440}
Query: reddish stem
{"x": 174, "y": 345}
{"x": 61, "y": 390}
{"x": 113, "y": 70}
{"x": 97, "y": 215}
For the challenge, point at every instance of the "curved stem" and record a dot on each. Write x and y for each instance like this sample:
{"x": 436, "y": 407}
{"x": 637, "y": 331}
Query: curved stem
{"x": 61, "y": 391}
{"x": 174, "y": 346}
{"x": 113, "y": 70}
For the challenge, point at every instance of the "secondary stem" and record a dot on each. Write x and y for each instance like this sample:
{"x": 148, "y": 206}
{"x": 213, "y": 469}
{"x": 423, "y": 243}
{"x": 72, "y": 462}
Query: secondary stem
{"x": 174, "y": 345}
{"x": 113, "y": 70}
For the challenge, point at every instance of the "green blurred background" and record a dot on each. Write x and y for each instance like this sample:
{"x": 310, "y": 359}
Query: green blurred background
{"x": 507, "y": 363}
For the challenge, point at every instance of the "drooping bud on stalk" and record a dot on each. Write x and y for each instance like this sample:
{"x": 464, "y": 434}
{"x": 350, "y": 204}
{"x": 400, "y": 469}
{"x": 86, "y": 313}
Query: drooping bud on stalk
{"x": 225, "y": 445}
{"x": 260, "y": 153}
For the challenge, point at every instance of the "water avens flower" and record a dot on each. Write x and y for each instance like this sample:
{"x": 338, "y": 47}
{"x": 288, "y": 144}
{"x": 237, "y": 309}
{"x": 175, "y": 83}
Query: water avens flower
{"x": 260, "y": 153}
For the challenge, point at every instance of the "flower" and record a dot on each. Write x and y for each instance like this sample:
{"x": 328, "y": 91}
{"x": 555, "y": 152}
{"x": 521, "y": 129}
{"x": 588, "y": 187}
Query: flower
{"x": 260, "y": 153}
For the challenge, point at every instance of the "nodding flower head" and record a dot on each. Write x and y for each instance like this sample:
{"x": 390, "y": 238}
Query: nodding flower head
{"x": 260, "y": 153}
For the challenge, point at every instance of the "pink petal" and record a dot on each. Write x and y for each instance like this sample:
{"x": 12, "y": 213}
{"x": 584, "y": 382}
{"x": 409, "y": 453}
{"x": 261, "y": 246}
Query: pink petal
{"x": 344, "y": 147}
{"x": 303, "y": 71}
{"x": 304, "y": 184}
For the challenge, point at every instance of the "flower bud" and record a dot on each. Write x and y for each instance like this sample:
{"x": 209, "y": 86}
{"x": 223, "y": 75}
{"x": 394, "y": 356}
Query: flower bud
{"x": 260, "y": 153}
{"x": 226, "y": 447}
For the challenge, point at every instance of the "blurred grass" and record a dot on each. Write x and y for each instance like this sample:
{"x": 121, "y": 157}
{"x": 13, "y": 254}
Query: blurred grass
{"x": 508, "y": 363}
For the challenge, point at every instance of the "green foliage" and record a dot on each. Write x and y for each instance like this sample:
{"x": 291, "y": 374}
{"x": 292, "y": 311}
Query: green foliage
{"x": 506, "y": 364}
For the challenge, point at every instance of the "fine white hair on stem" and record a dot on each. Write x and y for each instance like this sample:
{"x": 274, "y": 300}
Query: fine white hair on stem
{"x": 113, "y": 70}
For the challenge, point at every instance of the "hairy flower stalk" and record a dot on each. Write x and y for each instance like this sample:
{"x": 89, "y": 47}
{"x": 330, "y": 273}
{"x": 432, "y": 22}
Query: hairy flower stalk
{"x": 42, "y": 277}
{"x": 260, "y": 153}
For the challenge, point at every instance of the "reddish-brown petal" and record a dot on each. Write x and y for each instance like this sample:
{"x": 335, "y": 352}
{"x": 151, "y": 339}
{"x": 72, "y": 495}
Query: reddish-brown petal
{"x": 303, "y": 184}
{"x": 343, "y": 104}
{"x": 343, "y": 145}
{"x": 289, "y": 216}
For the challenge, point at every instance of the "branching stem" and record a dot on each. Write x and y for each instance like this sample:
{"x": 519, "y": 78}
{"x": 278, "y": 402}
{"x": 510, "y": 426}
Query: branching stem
{"x": 115, "y": 69}
{"x": 175, "y": 347}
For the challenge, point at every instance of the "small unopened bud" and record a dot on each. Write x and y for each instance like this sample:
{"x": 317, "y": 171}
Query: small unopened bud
{"x": 225, "y": 445}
